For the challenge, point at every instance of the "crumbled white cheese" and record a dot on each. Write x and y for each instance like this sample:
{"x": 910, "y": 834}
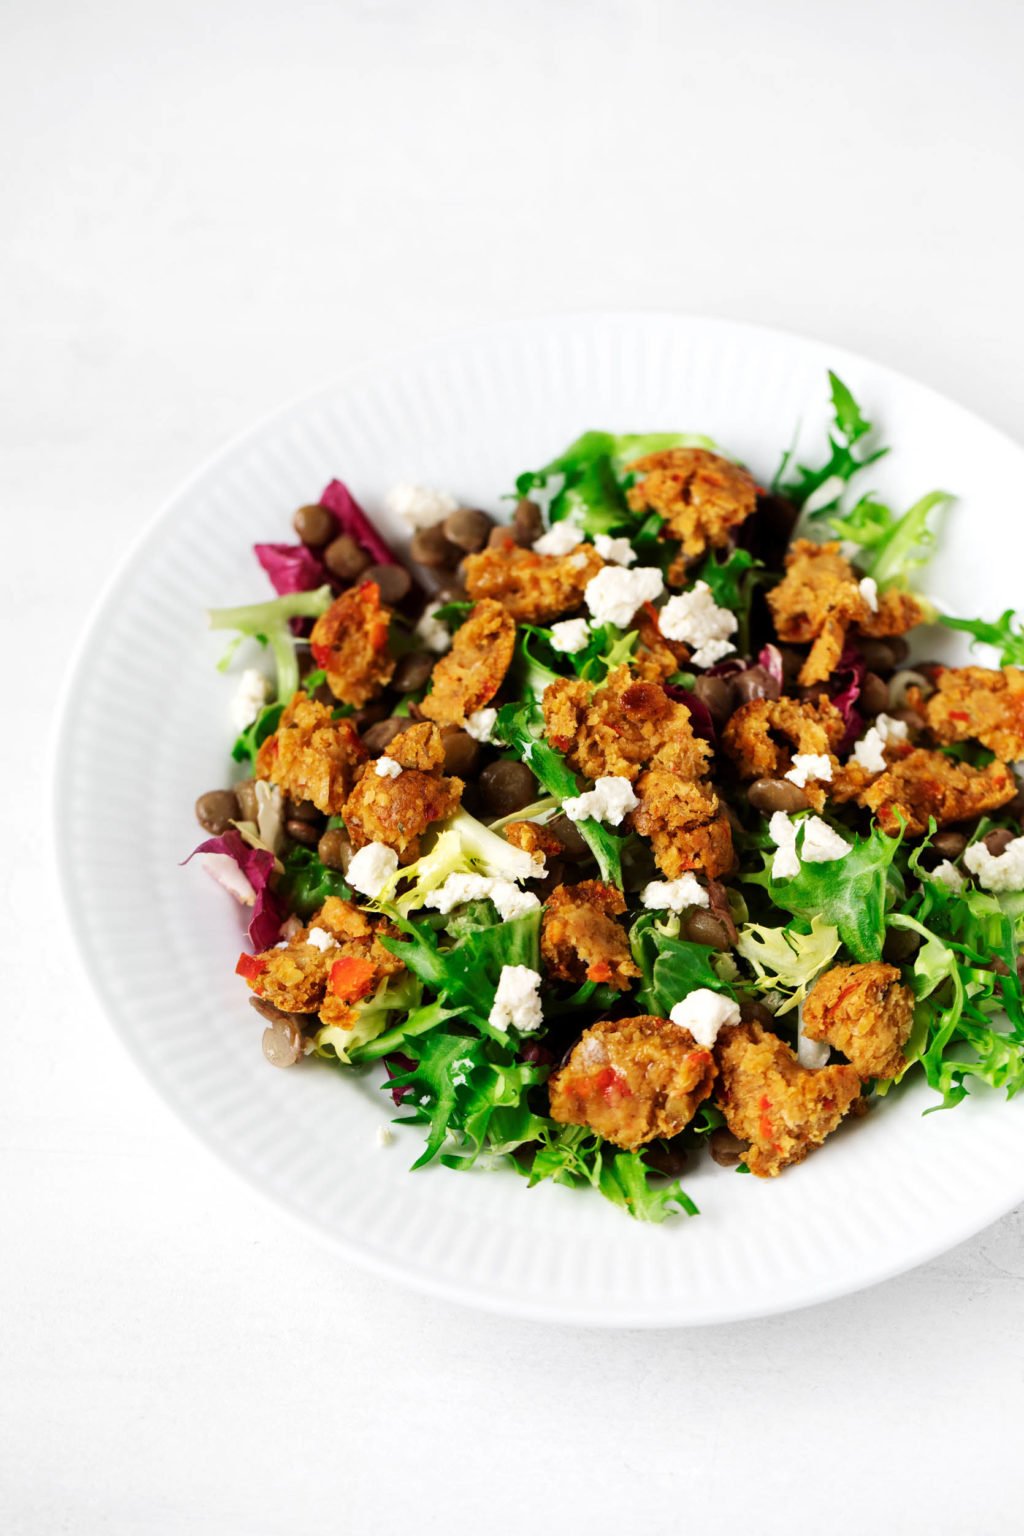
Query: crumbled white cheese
{"x": 570, "y": 636}
{"x": 223, "y": 869}
{"x": 371, "y": 868}
{"x": 517, "y": 1000}
{"x": 947, "y": 874}
{"x": 385, "y": 1135}
{"x": 891, "y": 730}
{"x": 869, "y": 592}
{"x": 321, "y": 939}
{"x": 252, "y": 693}
{"x": 561, "y": 539}
{"x": 509, "y": 900}
{"x": 674, "y": 895}
{"x": 695, "y": 619}
{"x": 809, "y": 765}
{"x": 432, "y": 632}
{"x": 822, "y": 845}
{"x": 810, "y": 1053}
{"x": 387, "y": 768}
{"x": 420, "y": 506}
{"x": 782, "y": 831}
{"x": 614, "y": 594}
{"x": 615, "y": 551}
{"x": 480, "y": 724}
{"x": 868, "y": 752}
{"x": 998, "y": 871}
{"x": 609, "y": 800}
{"x": 703, "y": 1013}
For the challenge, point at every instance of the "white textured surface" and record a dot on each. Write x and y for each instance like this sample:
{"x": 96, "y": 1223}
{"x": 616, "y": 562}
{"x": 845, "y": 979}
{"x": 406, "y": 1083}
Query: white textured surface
{"x": 208, "y": 209}
{"x": 889, "y": 1191}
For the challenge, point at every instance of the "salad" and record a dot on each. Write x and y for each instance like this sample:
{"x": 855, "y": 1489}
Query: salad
{"x": 625, "y": 828}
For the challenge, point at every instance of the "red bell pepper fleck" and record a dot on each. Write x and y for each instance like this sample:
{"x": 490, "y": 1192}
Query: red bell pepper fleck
{"x": 351, "y": 978}
{"x": 250, "y": 966}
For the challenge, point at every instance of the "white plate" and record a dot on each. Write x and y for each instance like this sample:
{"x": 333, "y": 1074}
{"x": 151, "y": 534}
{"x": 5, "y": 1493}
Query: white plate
{"x": 145, "y": 729}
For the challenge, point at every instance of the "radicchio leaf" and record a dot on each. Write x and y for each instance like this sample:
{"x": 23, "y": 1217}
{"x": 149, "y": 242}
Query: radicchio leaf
{"x": 337, "y": 498}
{"x": 700, "y": 715}
{"x": 291, "y": 567}
{"x": 256, "y": 866}
{"x": 846, "y": 683}
{"x": 770, "y": 658}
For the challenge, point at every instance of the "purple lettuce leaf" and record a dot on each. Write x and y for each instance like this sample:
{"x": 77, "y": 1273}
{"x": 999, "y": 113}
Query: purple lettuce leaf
{"x": 770, "y": 658}
{"x": 396, "y": 1065}
{"x": 337, "y": 498}
{"x": 846, "y": 683}
{"x": 700, "y": 715}
{"x": 254, "y": 866}
{"x": 291, "y": 567}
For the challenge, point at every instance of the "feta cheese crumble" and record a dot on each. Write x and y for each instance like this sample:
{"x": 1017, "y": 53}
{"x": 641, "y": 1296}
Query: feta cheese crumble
{"x": 509, "y": 900}
{"x": 674, "y": 895}
{"x": 570, "y": 636}
{"x": 420, "y": 506}
{"x": 320, "y": 939}
{"x": 371, "y": 869}
{"x": 821, "y": 845}
{"x": 480, "y": 724}
{"x": 782, "y": 831}
{"x": 948, "y": 875}
{"x": 703, "y": 1013}
{"x": 430, "y": 630}
{"x": 891, "y": 730}
{"x": 615, "y": 594}
{"x": 609, "y": 800}
{"x": 809, "y": 765}
{"x": 385, "y": 1135}
{"x": 517, "y": 1000}
{"x": 387, "y": 768}
{"x": 868, "y": 752}
{"x": 869, "y": 592}
{"x": 810, "y": 1053}
{"x": 615, "y": 551}
{"x": 695, "y": 619}
{"x": 998, "y": 871}
{"x": 561, "y": 538}
{"x": 252, "y": 693}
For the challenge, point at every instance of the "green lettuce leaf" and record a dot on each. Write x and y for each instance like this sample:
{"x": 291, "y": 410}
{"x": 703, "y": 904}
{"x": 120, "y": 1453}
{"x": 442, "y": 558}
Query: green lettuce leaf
{"x": 891, "y": 547}
{"x": 269, "y": 623}
{"x": 851, "y": 894}
{"x": 521, "y": 726}
{"x": 670, "y": 967}
{"x": 788, "y": 959}
{"x": 798, "y": 483}
{"x": 1006, "y": 635}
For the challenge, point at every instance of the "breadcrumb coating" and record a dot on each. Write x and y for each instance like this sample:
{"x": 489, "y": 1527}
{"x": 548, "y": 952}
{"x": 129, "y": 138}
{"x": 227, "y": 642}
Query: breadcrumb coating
{"x": 865, "y": 1012}
{"x": 350, "y": 642}
{"x": 312, "y": 757}
{"x": 580, "y": 939}
{"x": 768, "y": 1099}
{"x": 397, "y": 811}
{"x": 535, "y": 589}
{"x": 473, "y": 670}
{"x": 631, "y": 1080}
{"x": 701, "y": 496}
{"x": 980, "y": 704}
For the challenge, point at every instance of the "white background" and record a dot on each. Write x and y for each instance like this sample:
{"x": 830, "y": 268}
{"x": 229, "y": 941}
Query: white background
{"x": 208, "y": 208}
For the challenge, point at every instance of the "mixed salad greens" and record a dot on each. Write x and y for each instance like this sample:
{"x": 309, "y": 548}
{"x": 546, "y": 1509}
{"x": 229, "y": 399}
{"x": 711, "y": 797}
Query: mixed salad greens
{"x": 764, "y": 849}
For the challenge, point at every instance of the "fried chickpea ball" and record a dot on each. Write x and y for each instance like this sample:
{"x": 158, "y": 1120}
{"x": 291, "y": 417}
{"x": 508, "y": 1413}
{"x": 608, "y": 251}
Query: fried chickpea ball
{"x": 768, "y": 1099}
{"x": 473, "y": 670}
{"x": 312, "y": 757}
{"x": 350, "y": 642}
{"x": 865, "y": 1012}
{"x": 631, "y": 1080}
{"x": 700, "y": 495}
{"x": 580, "y": 939}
